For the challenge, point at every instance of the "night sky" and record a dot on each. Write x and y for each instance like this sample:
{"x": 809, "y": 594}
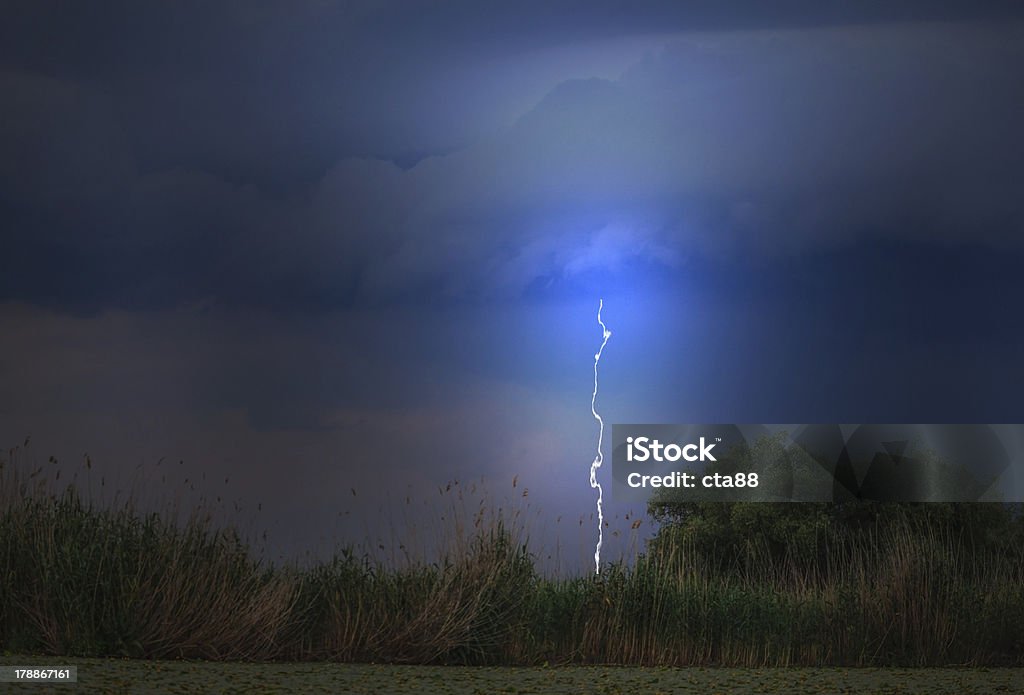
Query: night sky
{"x": 314, "y": 247}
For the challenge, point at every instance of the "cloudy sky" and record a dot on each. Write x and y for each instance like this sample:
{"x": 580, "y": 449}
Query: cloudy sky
{"x": 313, "y": 247}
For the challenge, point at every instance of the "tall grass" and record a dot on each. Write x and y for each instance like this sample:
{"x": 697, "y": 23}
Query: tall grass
{"x": 77, "y": 578}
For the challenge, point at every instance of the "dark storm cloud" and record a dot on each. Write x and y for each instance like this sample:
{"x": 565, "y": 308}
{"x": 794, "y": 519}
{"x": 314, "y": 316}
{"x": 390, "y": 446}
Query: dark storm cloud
{"x": 276, "y": 91}
{"x": 830, "y": 191}
{"x": 239, "y": 153}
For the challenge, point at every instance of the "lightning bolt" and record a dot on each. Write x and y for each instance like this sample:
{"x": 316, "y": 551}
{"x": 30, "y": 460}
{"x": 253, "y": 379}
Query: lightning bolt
{"x": 599, "y": 458}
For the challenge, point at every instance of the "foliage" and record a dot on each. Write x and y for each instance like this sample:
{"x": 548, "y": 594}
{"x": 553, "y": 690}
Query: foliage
{"x": 799, "y": 585}
{"x": 741, "y": 533}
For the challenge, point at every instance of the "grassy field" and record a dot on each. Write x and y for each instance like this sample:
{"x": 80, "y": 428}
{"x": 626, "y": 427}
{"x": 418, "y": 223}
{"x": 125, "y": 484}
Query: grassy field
{"x": 137, "y": 676}
{"x": 81, "y": 580}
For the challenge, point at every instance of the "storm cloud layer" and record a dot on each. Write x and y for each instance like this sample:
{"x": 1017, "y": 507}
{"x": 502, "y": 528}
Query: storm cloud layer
{"x": 251, "y": 180}
{"x": 301, "y": 243}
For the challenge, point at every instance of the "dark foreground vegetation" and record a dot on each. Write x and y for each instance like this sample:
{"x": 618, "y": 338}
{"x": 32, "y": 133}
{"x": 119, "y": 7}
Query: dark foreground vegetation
{"x": 728, "y": 584}
{"x": 118, "y": 676}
